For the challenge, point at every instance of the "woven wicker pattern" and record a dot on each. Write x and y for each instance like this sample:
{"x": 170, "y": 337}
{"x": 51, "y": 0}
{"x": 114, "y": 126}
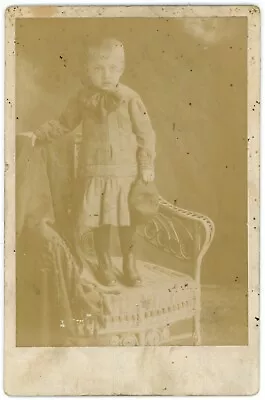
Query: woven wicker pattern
{"x": 143, "y": 315}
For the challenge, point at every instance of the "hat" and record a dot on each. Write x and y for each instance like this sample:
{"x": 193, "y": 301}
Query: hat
{"x": 143, "y": 201}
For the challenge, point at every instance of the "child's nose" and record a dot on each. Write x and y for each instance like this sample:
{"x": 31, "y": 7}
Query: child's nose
{"x": 106, "y": 74}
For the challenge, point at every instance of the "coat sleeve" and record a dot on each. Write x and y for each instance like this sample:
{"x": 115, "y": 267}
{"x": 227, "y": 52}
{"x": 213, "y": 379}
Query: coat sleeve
{"x": 144, "y": 132}
{"x": 69, "y": 119}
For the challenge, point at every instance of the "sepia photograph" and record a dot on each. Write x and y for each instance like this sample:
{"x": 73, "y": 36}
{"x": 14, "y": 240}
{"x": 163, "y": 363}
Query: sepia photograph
{"x": 131, "y": 145}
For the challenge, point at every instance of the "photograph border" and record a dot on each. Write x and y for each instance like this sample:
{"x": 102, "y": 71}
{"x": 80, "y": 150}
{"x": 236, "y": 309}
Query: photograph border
{"x": 165, "y": 370}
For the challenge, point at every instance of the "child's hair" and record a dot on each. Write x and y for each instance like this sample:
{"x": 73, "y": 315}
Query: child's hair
{"x": 105, "y": 47}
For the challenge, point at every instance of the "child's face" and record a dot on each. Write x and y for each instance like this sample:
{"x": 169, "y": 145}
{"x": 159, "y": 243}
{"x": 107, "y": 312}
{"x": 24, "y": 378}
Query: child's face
{"x": 105, "y": 70}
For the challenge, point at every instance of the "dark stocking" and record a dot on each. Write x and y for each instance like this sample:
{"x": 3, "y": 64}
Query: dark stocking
{"x": 102, "y": 248}
{"x": 127, "y": 241}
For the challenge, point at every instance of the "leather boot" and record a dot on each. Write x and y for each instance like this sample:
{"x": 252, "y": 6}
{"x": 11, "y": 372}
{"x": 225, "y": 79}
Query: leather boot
{"x": 102, "y": 248}
{"x": 127, "y": 241}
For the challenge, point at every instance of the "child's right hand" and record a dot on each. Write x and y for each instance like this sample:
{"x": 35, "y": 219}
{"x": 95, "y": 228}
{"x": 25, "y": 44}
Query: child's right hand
{"x": 29, "y": 135}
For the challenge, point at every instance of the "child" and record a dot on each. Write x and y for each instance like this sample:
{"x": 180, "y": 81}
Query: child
{"x": 118, "y": 146}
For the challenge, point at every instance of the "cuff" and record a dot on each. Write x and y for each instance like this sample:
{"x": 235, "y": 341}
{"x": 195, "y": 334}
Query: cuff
{"x": 146, "y": 160}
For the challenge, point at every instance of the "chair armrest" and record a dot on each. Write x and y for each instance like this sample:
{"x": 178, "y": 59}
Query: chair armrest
{"x": 187, "y": 235}
{"x": 203, "y": 239}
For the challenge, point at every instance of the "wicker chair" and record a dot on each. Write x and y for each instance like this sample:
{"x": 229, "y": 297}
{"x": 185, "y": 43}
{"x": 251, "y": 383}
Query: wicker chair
{"x": 175, "y": 241}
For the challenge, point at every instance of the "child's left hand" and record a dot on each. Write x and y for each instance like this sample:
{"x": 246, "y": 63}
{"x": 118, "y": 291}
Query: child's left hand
{"x": 148, "y": 175}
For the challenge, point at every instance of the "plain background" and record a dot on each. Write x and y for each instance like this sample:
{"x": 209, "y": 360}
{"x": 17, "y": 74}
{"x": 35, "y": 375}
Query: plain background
{"x": 4, "y": 4}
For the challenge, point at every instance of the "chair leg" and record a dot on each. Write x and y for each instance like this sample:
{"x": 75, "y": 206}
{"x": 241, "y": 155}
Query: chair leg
{"x": 197, "y": 330}
{"x": 197, "y": 317}
{"x": 142, "y": 339}
{"x": 197, "y": 320}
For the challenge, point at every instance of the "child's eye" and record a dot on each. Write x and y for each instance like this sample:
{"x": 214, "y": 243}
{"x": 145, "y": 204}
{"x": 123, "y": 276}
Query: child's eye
{"x": 113, "y": 68}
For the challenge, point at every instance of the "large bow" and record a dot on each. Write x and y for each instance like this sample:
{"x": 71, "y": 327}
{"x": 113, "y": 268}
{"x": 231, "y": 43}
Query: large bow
{"x": 102, "y": 101}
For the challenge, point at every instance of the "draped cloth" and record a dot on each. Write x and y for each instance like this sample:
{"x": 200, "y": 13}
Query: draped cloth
{"x": 44, "y": 243}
